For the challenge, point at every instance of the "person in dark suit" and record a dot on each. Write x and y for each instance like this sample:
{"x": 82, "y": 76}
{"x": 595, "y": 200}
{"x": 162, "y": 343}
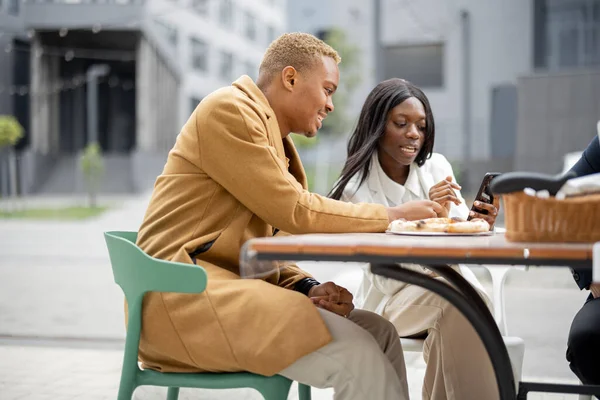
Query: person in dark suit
{"x": 583, "y": 345}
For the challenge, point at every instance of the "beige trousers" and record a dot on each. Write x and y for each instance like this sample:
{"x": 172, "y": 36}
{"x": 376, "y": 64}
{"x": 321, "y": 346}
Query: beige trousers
{"x": 363, "y": 361}
{"x": 458, "y": 367}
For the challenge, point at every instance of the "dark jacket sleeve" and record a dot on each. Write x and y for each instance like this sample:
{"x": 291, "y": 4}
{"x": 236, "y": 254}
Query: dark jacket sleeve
{"x": 588, "y": 164}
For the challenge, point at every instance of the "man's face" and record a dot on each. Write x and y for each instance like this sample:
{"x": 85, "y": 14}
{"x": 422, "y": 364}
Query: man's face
{"x": 311, "y": 97}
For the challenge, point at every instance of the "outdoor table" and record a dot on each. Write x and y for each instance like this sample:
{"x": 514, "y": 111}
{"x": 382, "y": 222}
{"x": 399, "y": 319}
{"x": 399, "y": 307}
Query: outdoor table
{"x": 385, "y": 252}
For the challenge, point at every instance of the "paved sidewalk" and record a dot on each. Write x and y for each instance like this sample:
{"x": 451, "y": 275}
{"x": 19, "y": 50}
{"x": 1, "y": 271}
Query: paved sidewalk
{"x": 61, "y": 315}
{"x": 58, "y": 373}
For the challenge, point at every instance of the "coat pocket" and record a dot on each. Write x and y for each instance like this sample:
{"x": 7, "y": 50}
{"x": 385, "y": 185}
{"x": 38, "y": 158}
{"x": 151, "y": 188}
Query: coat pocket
{"x": 203, "y": 248}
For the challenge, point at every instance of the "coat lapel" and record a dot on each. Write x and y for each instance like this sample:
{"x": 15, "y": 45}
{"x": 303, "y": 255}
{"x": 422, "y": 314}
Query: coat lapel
{"x": 247, "y": 85}
{"x": 294, "y": 163}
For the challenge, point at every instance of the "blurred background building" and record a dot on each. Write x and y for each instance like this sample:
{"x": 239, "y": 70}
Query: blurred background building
{"x": 125, "y": 73}
{"x": 514, "y": 84}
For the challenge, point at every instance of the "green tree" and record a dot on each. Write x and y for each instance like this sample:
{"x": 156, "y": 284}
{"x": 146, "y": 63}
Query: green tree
{"x": 92, "y": 167}
{"x": 11, "y": 131}
{"x": 350, "y": 77}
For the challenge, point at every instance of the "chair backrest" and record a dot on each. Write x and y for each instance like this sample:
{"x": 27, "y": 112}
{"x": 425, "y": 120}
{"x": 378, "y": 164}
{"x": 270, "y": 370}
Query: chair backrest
{"x": 137, "y": 273}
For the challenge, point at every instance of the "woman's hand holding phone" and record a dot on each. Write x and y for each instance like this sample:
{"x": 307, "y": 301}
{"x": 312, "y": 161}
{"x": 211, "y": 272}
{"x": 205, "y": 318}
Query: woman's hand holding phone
{"x": 492, "y": 211}
{"x": 486, "y": 205}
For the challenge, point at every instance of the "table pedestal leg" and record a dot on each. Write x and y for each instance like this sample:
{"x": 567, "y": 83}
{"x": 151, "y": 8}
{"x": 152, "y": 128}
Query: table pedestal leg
{"x": 461, "y": 298}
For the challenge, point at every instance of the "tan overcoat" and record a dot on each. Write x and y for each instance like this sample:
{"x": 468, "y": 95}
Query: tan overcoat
{"x": 231, "y": 177}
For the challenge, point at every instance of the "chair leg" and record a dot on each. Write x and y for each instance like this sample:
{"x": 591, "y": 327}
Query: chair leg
{"x": 275, "y": 389}
{"x": 126, "y": 389}
{"x": 173, "y": 393}
{"x": 304, "y": 392}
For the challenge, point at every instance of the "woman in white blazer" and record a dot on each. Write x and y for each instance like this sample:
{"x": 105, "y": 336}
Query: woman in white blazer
{"x": 390, "y": 161}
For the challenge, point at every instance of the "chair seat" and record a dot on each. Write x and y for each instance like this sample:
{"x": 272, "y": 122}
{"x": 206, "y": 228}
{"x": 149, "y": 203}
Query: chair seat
{"x": 207, "y": 380}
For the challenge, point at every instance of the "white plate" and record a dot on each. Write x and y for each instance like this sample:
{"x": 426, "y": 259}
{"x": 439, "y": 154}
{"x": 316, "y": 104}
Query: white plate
{"x": 489, "y": 233}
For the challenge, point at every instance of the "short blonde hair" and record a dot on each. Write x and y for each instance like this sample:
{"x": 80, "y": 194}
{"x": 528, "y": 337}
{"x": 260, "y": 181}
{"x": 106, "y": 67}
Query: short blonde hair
{"x": 299, "y": 50}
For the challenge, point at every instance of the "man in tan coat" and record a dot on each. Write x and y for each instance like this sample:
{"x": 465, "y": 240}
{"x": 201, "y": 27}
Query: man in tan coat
{"x": 233, "y": 175}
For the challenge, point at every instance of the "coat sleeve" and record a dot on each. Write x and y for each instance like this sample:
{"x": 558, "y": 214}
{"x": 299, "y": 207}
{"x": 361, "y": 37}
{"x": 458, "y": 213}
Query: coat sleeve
{"x": 589, "y": 163}
{"x": 235, "y": 152}
{"x": 290, "y": 274}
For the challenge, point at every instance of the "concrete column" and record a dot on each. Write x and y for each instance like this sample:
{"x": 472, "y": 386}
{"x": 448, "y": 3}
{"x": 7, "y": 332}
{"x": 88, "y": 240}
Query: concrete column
{"x": 153, "y": 106}
{"x": 43, "y": 104}
{"x": 172, "y": 128}
{"x": 159, "y": 114}
{"x": 175, "y": 103}
{"x": 6, "y": 75}
{"x": 54, "y": 106}
{"x": 156, "y": 101}
{"x": 35, "y": 97}
{"x": 142, "y": 97}
{"x": 165, "y": 132}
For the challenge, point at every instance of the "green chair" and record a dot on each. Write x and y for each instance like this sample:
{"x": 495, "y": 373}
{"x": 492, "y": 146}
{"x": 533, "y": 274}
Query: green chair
{"x": 137, "y": 273}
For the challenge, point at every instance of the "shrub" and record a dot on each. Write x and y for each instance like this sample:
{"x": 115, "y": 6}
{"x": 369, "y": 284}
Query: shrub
{"x": 11, "y": 131}
{"x": 92, "y": 167}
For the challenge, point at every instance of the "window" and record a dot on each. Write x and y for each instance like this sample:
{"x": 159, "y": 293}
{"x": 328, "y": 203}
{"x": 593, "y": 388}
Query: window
{"x": 199, "y": 54}
{"x": 13, "y": 7}
{"x": 168, "y": 31}
{"x": 194, "y": 101}
{"x": 226, "y": 13}
{"x": 250, "y": 26}
{"x": 226, "y": 66}
{"x": 422, "y": 65}
{"x": 200, "y": 7}
{"x": 566, "y": 33}
{"x": 270, "y": 34}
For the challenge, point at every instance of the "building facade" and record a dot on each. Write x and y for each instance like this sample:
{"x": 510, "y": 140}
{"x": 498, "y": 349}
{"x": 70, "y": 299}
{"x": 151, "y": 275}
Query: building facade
{"x": 355, "y": 18}
{"x": 513, "y": 84}
{"x": 125, "y": 74}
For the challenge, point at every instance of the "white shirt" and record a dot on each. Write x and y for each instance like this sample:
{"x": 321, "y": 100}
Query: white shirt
{"x": 396, "y": 193}
{"x": 375, "y": 291}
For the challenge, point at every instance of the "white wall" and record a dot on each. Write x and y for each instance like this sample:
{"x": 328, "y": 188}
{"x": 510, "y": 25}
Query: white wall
{"x": 190, "y": 24}
{"x": 501, "y": 51}
{"x": 501, "y": 40}
{"x": 355, "y": 17}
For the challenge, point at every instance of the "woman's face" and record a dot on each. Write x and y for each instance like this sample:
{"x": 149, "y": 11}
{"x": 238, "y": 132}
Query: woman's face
{"x": 404, "y": 132}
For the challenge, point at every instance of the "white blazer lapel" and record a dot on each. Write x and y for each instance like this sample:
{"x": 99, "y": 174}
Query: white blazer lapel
{"x": 374, "y": 184}
{"x": 426, "y": 180}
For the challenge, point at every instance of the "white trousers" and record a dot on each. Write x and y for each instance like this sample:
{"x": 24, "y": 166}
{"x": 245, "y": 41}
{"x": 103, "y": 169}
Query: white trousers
{"x": 458, "y": 366}
{"x": 363, "y": 361}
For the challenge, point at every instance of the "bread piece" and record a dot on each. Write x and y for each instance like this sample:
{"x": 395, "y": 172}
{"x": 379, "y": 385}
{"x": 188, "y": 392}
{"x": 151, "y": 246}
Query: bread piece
{"x": 475, "y": 225}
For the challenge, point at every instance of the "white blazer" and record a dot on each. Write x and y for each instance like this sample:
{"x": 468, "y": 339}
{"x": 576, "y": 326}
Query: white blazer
{"x": 375, "y": 291}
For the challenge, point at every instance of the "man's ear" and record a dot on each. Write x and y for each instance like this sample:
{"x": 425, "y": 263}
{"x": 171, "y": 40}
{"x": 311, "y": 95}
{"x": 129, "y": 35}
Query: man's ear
{"x": 289, "y": 76}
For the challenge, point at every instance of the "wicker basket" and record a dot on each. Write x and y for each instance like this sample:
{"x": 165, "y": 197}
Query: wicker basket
{"x": 531, "y": 219}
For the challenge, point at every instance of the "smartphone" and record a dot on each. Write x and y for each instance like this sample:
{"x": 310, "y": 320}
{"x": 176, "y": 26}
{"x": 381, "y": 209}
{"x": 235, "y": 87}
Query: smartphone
{"x": 484, "y": 194}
